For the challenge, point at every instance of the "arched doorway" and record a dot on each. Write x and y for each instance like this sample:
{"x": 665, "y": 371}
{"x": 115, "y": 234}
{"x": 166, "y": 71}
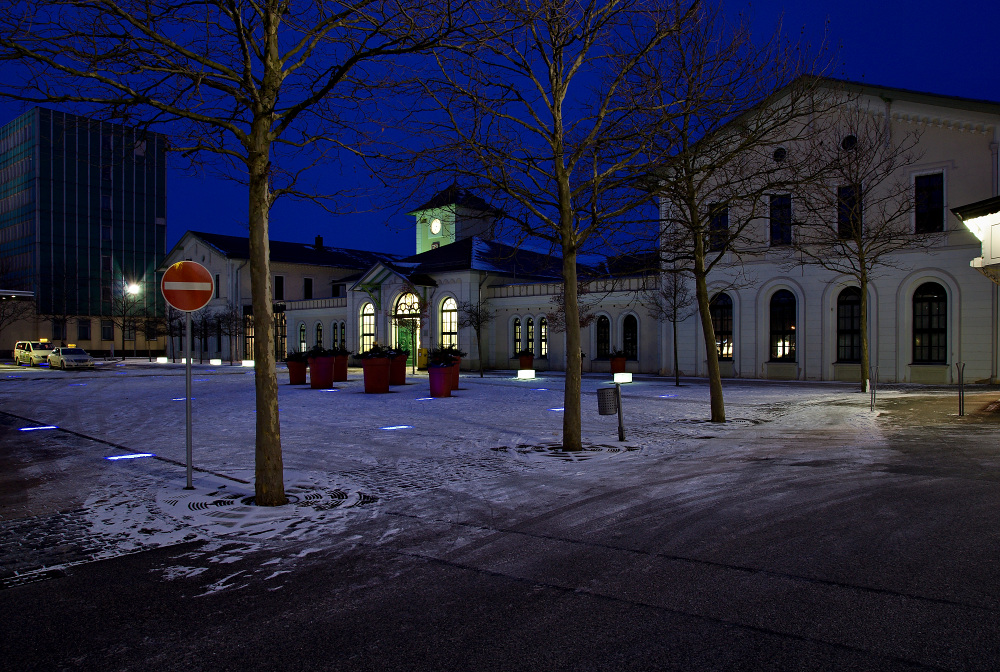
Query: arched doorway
{"x": 406, "y": 325}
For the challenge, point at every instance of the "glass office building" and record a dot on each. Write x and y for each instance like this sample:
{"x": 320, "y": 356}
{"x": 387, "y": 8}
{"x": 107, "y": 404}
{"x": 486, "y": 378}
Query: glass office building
{"x": 82, "y": 217}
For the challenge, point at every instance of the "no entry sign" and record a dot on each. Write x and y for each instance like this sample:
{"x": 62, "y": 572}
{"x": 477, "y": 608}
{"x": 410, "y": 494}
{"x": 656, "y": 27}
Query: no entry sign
{"x": 187, "y": 286}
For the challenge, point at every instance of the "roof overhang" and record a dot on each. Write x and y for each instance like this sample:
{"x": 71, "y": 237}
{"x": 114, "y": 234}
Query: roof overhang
{"x": 982, "y": 218}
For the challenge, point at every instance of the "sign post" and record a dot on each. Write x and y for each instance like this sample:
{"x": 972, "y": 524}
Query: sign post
{"x": 187, "y": 286}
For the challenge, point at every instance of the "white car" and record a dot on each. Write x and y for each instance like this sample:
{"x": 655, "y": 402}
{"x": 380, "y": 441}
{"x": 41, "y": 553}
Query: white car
{"x": 70, "y": 358}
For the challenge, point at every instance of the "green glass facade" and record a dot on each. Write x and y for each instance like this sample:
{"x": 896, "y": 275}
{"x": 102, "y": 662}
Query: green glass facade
{"x": 82, "y": 212}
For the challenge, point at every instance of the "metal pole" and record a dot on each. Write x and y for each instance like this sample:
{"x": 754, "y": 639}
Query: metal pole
{"x": 187, "y": 393}
{"x": 621, "y": 418}
{"x": 961, "y": 388}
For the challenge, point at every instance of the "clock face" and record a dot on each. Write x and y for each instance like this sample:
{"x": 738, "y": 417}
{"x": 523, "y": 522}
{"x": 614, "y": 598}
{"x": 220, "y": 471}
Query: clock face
{"x": 436, "y": 226}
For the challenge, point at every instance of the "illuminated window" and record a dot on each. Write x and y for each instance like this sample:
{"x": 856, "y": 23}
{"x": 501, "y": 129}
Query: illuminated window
{"x": 319, "y": 335}
{"x": 529, "y": 326}
{"x": 406, "y": 322}
{"x": 302, "y": 338}
{"x": 335, "y": 335}
{"x": 543, "y": 335}
{"x": 603, "y": 337}
{"x": 930, "y": 324}
{"x": 367, "y": 328}
{"x": 516, "y": 333}
{"x": 783, "y": 326}
{"x": 849, "y": 325}
{"x": 630, "y": 336}
{"x": 343, "y": 334}
{"x": 721, "y": 310}
{"x": 449, "y": 323}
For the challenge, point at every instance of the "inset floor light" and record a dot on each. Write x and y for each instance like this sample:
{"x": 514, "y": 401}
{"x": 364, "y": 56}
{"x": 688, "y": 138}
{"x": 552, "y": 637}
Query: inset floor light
{"x": 78, "y": 384}
{"x": 162, "y": 360}
{"x": 35, "y": 429}
{"x": 623, "y": 377}
{"x": 397, "y": 427}
{"x": 330, "y": 389}
{"x": 133, "y": 456}
{"x": 182, "y": 398}
{"x": 539, "y": 389}
{"x": 667, "y": 396}
{"x": 424, "y": 398}
{"x": 525, "y": 374}
{"x": 557, "y": 409}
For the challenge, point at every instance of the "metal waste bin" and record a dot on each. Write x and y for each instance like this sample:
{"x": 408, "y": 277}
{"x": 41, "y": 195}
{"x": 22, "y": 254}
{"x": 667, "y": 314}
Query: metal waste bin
{"x": 607, "y": 401}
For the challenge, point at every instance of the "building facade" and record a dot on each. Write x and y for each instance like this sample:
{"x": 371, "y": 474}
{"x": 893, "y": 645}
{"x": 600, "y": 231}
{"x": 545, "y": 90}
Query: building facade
{"x": 83, "y": 226}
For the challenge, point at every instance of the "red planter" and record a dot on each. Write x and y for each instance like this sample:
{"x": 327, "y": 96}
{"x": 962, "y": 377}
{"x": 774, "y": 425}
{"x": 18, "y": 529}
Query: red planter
{"x": 455, "y": 368}
{"x": 397, "y": 370}
{"x": 296, "y": 373}
{"x": 618, "y": 365}
{"x": 376, "y": 375}
{"x": 340, "y": 368}
{"x": 526, "y": 361}
{"x": 441, "y": 378}
{"x": 320, "y": 373}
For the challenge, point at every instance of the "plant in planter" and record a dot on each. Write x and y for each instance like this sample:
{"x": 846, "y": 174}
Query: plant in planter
{"x": 320, "y": 368}
{"x": 397, "y": 365}
{"x": 297, "y": 363}
{"x": 340, "y": 355}
{"x": 618, "y": 358}
{"x": 440, "y": 366}
{"x": 526, "y": 359}
{"x": 375, "y": 364}
{"x": 456, "y": 355}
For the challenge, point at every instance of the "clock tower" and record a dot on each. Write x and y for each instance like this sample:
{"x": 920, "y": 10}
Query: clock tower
{"x": 451, "y": 215}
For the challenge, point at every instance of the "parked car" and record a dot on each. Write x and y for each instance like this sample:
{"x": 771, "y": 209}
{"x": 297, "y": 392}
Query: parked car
{"x": 70, "y": 358}
{"x": 32, "y": 353}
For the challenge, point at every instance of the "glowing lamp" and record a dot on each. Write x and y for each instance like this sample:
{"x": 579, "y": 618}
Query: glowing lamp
{"x": 215, "y": 362}
{"x": 525, "y": 374}
{"x": 248, "y": 363}
{"x": 625, "y": 377}
{"x": 133, "y": 456}
{"x": 162, "y": 360}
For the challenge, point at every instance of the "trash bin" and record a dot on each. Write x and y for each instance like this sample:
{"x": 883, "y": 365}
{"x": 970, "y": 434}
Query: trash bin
{"x": 607, "y": 401}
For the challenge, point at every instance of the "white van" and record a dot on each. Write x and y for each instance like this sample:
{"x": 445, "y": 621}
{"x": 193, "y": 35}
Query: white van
{"x": 32, "y": 353}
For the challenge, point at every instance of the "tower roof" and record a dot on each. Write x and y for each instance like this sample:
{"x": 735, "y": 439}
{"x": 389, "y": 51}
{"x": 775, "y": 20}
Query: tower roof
{"x": 455, "y": 195}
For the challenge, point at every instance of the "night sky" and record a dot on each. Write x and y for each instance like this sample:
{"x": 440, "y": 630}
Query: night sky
{"x": 945, "y": 48}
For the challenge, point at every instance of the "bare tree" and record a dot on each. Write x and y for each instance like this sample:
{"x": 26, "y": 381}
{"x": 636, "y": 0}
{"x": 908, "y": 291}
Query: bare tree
{"x": 536, "y": 121}
{"x": 857, "y": 218}
{"x": 586, "y": 303}
{"x": 230, "y": 322}
{"x": 477, "y": 315}
{"x": 176, "y": 323}
{"x": 735, "y": 105}
{"x": 13, "y": 308}
{"x": 672, "y": 302}
{"x": 126, "y": 312}
{"x": 248, "y": 83}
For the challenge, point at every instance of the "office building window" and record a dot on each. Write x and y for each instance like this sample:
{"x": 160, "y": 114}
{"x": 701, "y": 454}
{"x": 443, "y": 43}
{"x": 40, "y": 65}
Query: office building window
{"x": 107, "y": 330}
{"x": 83, "y": 329}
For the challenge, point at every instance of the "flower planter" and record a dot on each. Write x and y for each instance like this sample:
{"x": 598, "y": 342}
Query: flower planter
{"x": 320, "y": 373}
{"x": 455, "y": 368}
{"x": 397, "y": 370}
{"x": 340, "y": 368}
{"x": 441, "y": 378}
{"x": 618, "y": 365}
{"x": 376, "y": 372}
{"x": 526, "y": 361}
{"x": 296, "y": 373}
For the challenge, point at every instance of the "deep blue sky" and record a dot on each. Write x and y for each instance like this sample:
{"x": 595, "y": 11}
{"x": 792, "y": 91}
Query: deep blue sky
{"x": 945, "y": 48}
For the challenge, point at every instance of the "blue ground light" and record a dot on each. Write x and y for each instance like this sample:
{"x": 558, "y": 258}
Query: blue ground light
{"x": 35, "y": 429}
{"x": 557, "y": 410}
{"x": 133, "y": 456}
{"x": 392, "y": 427}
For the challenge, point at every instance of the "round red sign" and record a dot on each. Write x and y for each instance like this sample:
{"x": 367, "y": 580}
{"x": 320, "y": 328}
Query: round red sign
{"x": 187, "y": 286}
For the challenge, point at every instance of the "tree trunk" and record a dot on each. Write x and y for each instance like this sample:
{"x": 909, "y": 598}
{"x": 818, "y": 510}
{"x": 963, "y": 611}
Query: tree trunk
{"x": 269, "y": 485}
{"x": 677, "y": 371}
{"x": 572, "y": 436}
{"x": 865, "y": 361}
{"x": 711, "y": 351}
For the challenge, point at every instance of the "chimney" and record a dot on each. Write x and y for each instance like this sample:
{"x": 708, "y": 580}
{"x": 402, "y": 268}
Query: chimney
{"x": 319, "y": 242}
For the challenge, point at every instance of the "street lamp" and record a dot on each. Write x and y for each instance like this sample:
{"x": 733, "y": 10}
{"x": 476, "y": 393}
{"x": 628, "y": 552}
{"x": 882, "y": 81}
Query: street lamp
{"x": 129, "y": 294}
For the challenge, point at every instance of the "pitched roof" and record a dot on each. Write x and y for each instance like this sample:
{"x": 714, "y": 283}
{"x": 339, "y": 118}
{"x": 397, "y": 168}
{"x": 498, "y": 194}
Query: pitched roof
{"x": 478, "y": 254}
{"x": 238, "y": 247}
{"x": 455, "y": 195}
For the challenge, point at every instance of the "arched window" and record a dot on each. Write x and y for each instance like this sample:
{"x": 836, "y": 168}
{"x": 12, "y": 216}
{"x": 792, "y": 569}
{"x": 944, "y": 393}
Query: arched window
{"x": 783, "y": 326}
{"x": 849, "y": 325}
{"x": 302, "y": 338}
{"x": 515, "y": 331}
{"x": 367, "y": 328}
{"x": 406, "y": 322}
{"x": 630, "y": 336}
{"x": 449, "y": 323}
{"x": 603, "y": 337}
{"x": 529, "y": 325}
{"x": 319, "y": 335}
{"x": 930, "y": 324}
{"x": 343, "y": 334}
{"x": 335, "y": 335}
{"x": 543, "y": 334}
{"x": 721, "y": 310}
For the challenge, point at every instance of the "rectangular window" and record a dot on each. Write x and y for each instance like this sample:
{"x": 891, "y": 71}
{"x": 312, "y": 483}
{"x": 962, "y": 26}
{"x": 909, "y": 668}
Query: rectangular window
{"x": 130, "y": 330}
{"x": 279, "y": 288}
{"x": 82, "y": 330}
{"x": 107, "y": 330}
{"x": 928, "y": 206}
{"x": 105, "y": 232}
{"x": 105, "y": 292}
{"x": 307, "y": 288}
{"x": 58, "y": 330}
{"x": 781, "y": 220}
{"x": 106, "y": 263}
{"x": 718, "y": 227}
{"x": 339, "y": 291}
{"x": 216, "y": 285}
{"x": 106, "y": 202}
{"x": 106, "y": 172}
{"x": 849, "y": 211}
